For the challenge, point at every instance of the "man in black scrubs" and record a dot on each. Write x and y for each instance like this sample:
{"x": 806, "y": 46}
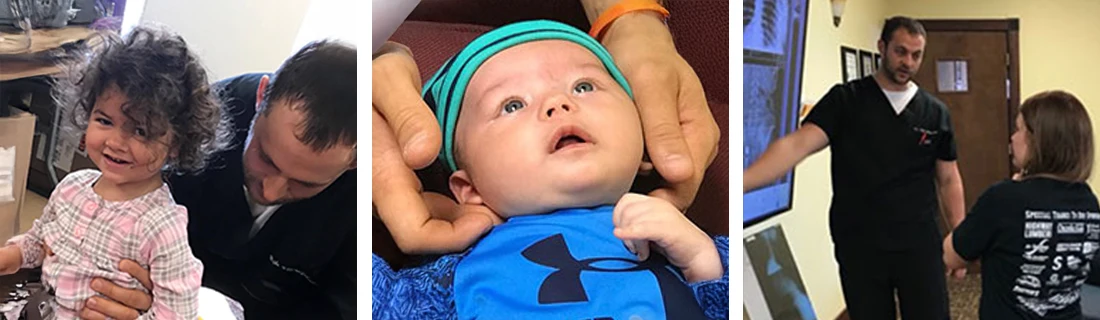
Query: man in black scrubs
{"x": 273, "y": 218}
{"x": 893, "y": 158}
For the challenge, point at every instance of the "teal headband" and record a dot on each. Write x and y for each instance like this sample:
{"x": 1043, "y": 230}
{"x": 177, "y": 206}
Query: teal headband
{"x": 445, "y": 90}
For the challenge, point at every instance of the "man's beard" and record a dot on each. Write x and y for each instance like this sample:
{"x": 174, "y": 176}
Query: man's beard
{"x": 893, "y": 75}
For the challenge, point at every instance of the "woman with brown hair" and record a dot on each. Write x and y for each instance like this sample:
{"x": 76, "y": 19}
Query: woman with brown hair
{"x": 1037, "y": 232}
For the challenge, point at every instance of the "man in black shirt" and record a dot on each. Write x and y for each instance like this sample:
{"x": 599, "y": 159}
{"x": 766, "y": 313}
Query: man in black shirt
{"x": 273, "y": 218}
{"x": 893, "y": 158}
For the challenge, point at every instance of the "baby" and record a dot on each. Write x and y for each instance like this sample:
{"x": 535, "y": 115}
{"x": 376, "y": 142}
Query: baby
{"x": 145, "y": 106}
{"x": 539, "y": 125}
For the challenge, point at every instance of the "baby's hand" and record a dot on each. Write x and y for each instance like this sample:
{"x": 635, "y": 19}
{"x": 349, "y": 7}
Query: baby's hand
{"x": 641, "y": 219}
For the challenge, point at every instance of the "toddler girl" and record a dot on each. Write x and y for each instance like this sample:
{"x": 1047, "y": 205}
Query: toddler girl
{"x": 146, "y": 108}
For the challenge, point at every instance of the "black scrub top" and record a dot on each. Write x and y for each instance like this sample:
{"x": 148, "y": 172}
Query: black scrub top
{"x": 301, "y": 264}
{"x": 883, "y": 165}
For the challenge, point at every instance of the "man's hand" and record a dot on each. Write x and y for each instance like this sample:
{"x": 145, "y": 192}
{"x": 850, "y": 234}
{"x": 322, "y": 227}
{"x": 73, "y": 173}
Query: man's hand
{"x": 640, "y": 220}
{"x": 958, "y": 274}
{"x": 954, "y": 264}
{"x": 122, "y": 303}
{"x": 406, "y": 136}
{"x": 681, "y": 135}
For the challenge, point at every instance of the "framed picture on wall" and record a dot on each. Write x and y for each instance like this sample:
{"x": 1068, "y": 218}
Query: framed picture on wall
{"x": 878, "y": 61}
{"x": 866, "y": 62}
{"x": 849, "y": 64}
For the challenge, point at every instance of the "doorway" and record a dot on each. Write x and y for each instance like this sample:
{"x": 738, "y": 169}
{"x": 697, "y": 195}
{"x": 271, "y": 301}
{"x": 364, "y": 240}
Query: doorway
{"x": 973, "y": 67}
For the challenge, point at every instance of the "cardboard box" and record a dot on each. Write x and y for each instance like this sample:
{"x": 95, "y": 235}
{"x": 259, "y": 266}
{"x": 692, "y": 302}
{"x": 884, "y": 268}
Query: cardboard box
{"x": 16, "y": 133}
{"x": 67, "y": 156}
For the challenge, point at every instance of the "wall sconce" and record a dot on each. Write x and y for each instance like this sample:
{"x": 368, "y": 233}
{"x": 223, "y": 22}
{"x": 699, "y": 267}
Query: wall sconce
{"x": 838, "y": 10}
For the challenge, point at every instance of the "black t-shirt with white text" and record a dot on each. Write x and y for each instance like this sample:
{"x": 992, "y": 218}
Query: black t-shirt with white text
{"x": 883, "y": 165}
{"x": 1035, "y": 239}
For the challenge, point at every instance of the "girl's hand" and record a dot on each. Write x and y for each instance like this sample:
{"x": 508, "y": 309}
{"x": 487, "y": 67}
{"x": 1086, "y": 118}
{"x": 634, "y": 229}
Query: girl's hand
{"x": 641, "y": 220}
{"x": 10, "y": 260}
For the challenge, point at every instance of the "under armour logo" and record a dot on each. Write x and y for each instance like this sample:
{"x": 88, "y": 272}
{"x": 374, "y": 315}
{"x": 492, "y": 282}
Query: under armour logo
{"x": 564, "y": 285}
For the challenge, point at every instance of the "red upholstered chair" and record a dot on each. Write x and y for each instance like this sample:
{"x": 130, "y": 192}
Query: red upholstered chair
{"x": 437, "y": 29}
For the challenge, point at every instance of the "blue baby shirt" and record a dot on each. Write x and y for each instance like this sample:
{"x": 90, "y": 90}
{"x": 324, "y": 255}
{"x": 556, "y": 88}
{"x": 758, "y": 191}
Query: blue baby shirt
{"x": 571, "y": 265}
{"x": 567, "y": 264}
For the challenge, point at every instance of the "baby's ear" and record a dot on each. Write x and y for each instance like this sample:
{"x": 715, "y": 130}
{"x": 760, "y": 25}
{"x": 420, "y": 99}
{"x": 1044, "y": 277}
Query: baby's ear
{"x": 463, "y": 188}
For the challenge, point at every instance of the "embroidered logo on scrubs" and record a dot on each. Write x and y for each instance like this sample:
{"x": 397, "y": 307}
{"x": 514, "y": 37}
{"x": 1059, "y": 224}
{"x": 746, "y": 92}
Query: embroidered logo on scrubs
{"x": 564, "y": 285}
{"x": 926, "y": 136}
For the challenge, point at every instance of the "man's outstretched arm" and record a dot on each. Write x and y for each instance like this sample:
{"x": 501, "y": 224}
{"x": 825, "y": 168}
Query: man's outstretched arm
{"x": 783, "y": 154}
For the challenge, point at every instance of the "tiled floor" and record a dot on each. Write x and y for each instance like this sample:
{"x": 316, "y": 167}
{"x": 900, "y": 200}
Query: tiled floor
{"x": 965, "y": 295}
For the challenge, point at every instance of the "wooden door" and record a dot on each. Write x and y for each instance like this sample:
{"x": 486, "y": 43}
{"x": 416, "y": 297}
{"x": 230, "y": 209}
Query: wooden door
{"x": 983, "y": 111}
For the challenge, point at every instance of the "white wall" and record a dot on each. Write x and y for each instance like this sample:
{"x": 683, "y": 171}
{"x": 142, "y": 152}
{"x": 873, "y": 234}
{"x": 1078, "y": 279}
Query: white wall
{"x": 234, "y": 36}
{"x": 330, "y": 19}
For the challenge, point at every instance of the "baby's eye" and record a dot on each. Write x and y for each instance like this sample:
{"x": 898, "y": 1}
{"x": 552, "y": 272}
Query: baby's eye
{"x": 103, "y": 121}
{"x": 141, "y": 132}
{"x": 513, "y": 106}
{"x": 583, "y": 87}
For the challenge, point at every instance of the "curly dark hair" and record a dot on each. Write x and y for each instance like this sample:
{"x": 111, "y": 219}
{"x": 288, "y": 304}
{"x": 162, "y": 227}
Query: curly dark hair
{"x": 167, "y": 88}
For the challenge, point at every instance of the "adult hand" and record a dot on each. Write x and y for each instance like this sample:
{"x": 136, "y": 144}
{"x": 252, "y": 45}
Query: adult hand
{"x": 406, "y": 136}
{"x": 958, "y": 274}
{"x": 954, "y": 265}
{"x": 680, "y": 132}
{"x": 121, "y": 303}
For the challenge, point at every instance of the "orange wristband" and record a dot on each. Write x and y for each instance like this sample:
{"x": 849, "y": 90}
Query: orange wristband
{"x": 621, "y": 8}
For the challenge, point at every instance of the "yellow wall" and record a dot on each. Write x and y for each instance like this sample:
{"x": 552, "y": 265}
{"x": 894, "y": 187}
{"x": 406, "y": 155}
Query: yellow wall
{"x": 807, "y": 225}
{"x": 1059, "y": 41}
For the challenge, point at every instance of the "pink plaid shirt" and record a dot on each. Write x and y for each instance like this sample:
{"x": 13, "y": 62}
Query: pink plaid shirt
{"x": 89, "y": 236}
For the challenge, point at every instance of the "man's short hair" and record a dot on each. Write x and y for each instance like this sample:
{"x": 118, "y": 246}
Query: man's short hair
{"x": 912, "y": 26}
{"x": 319, "y": 80}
